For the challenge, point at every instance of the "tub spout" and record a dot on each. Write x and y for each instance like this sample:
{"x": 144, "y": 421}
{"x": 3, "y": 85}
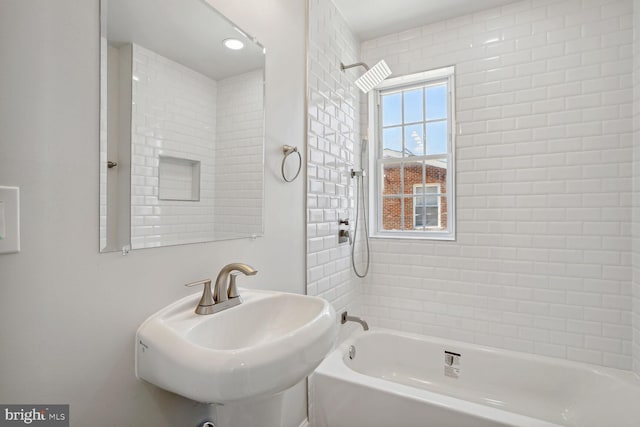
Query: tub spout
{"x": 346, "y": 318}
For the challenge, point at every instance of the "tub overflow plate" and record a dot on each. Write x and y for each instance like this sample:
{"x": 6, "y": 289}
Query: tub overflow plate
{"x": 451, "y": 364}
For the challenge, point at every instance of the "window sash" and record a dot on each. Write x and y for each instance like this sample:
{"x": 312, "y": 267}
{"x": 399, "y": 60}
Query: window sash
{"x": 421, "y": 193}
{"x": 425, "y": 121}
{"x": 423, "y": 217}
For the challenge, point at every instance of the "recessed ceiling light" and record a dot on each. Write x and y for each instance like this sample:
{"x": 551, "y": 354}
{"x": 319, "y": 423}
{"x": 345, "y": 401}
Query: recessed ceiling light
{"x": 233, "y": 44}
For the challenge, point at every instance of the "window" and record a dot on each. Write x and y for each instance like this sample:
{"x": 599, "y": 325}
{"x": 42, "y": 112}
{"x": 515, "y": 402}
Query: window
{"x": 412, "y": 120}
{"x": 426, "y": 209}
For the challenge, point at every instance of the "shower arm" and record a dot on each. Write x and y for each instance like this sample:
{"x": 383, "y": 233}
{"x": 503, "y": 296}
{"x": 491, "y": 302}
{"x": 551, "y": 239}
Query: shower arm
{"x": 357, "y": 64}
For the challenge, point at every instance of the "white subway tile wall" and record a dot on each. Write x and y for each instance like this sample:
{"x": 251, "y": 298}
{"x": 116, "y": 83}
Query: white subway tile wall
{"x": 636, "y": 189}
{"x": 103, "y": 141}
{"x": 239, "y": 160}
{"x": 333, "y": 129}
{"x": 173, "y": 114}
{"x": 542, "y": 260}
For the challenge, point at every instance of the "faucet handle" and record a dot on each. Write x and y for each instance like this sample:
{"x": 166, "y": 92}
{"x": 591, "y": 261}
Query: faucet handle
{"x": 199, "y": 282}
{"x": 206, "y": 301}
{"x": 233, "y": 289}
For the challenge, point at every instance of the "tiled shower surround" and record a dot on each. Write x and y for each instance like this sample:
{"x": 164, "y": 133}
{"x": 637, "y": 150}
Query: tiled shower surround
{"x": 333, "y": 129}
{"x": 216, "y": 122}
{"x": 185, "y": 128}
{"x": 239, "y": 163}
{"x": 542, "y": 259}
{"x": 636, "y": 188}
{"x": 103, "y": 141}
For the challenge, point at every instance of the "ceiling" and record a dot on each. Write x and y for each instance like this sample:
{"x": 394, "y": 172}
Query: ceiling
{"x": 188, "y": 32}
{"x": 369, "y": 19}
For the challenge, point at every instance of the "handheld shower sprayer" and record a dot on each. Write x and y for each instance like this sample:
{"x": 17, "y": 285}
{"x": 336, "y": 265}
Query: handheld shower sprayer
{"x": 372, "y": 78}
{"x": 359, "y": 176}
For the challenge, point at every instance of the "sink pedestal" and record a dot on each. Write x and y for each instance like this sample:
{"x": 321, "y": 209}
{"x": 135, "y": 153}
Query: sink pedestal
{"x": 262, "y": 412}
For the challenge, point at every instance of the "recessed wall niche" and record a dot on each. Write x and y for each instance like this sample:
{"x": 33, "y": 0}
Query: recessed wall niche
{"x": 178, "y": 179}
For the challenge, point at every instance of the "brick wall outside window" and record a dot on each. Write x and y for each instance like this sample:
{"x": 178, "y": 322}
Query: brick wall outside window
{"x": 392, "y": 207}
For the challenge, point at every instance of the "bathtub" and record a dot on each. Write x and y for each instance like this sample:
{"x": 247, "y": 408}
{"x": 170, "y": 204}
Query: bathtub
{"x": 406, "y": 380}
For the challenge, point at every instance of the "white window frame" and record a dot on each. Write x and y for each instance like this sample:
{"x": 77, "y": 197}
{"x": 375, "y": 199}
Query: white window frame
{"x": 375, "y": 179}
{"x": 438, "y": 199}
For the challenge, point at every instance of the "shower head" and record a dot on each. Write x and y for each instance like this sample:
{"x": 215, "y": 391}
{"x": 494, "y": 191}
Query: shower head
{"x": 373, "y": 77}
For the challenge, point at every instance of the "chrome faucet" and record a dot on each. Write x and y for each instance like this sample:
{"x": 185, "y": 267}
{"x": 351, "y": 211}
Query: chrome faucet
{"x": 346, "y": 318}
{"x": 223, "y": 297}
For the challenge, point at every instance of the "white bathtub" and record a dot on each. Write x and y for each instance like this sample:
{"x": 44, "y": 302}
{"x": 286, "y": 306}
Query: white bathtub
{"x": 398, "y": 380}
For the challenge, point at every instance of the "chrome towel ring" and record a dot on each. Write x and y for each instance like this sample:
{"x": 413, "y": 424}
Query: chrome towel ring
{"x": 287, "y": 150}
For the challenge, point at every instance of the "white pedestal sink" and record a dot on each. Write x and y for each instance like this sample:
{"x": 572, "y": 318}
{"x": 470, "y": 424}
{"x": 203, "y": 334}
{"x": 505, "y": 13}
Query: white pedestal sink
{"x": 242, "y": 357}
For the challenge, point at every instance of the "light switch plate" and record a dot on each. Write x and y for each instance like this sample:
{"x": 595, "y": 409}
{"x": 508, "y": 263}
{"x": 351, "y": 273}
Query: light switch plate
{"x": 9, "y": 220}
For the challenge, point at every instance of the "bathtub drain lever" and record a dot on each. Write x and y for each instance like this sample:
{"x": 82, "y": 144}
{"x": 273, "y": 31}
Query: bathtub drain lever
{"x": 346, "y": 318}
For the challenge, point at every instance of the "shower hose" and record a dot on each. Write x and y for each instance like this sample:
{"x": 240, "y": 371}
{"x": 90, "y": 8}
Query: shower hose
{"x": 360, "y": 199}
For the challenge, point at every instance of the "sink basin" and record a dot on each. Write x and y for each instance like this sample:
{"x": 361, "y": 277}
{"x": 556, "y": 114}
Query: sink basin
{"x": 263, "y": 346}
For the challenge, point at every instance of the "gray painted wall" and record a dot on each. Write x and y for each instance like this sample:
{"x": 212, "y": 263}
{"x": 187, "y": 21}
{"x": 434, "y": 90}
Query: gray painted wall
{"x": 68, "y": 315}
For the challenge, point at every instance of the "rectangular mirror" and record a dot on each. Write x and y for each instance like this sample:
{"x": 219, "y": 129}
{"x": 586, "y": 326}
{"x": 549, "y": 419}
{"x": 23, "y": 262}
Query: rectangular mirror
{"x": 181, "y": 126}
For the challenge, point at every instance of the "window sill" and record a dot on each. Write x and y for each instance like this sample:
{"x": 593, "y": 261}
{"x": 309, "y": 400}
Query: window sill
{"x": 446, "y": 238}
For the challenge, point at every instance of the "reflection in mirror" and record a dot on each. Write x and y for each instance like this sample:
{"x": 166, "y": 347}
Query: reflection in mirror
{"x": 181, "y": 126}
